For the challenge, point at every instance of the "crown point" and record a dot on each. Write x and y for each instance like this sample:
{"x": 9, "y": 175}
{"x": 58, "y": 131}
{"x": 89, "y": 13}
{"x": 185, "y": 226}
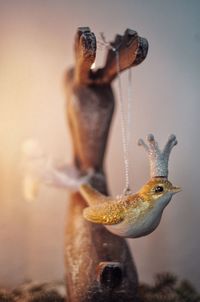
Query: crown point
{"x": 150, "y": 137}
{"x": 172, "y": 137}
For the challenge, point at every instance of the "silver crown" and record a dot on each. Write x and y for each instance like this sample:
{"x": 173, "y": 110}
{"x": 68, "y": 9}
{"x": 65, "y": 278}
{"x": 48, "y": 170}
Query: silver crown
{"x": 158, "y": 159}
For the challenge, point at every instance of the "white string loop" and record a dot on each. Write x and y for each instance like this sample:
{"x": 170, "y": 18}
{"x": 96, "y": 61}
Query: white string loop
{"x": 125, "y": 118}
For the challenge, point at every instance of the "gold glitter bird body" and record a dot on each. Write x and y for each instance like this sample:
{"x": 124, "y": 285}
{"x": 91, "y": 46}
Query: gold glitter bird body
{"x": 133, "y": 215}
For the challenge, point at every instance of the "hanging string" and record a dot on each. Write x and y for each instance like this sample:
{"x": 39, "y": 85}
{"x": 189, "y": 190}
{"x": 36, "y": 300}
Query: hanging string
{"x": 125, "y": 120}
{"x": 124, "y": 127}
{"x": 129, "y": 114}
{"x": 129, "y": 107}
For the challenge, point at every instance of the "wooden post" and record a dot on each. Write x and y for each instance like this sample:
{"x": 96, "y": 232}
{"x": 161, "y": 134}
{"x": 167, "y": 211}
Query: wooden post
{"x": 99, "y": 266}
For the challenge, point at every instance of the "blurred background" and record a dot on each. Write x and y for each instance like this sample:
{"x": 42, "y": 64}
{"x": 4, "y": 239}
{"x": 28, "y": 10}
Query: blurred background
{"x": 36, "y": 47}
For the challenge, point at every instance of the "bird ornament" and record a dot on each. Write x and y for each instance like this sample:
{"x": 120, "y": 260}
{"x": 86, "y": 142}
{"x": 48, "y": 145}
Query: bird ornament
{"x": 135, "y": 215}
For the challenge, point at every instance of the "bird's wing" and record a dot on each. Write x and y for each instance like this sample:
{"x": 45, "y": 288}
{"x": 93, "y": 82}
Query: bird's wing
{"x": 92, "y": 196}
{"x": 106, "y": 213}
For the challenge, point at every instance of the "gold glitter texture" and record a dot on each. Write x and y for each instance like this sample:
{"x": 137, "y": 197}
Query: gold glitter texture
{"x": 129, "y": 208}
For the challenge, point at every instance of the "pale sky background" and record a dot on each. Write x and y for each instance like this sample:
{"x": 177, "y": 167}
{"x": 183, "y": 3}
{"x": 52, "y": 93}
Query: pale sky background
{"x": 36, "y": 46}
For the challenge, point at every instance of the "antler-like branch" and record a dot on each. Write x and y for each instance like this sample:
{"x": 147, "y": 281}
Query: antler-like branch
{"x": 158, "y": 159}
{"x": 85, "y": 53}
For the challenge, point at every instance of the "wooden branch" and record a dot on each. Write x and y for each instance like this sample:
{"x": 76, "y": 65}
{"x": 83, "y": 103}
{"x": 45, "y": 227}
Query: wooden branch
{"x": 85, "y": 53}
{"x": 99, "y": 266}
{"x": 132, "y": 50}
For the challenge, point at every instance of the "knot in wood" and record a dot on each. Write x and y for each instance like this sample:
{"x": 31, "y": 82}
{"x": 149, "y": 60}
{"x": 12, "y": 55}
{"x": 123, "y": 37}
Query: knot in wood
{"x": 110, "y": 274}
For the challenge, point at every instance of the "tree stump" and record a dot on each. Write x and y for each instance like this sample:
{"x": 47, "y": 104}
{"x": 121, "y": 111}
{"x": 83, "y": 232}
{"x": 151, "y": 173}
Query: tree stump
{"x": 99, "y": 266}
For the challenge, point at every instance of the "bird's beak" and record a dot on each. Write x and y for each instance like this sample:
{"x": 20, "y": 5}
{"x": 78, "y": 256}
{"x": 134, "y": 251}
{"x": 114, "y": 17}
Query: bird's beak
{"x": 175, "y": 189}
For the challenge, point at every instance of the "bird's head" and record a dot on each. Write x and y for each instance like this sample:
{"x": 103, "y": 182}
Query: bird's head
{"x": 156, "y": 188}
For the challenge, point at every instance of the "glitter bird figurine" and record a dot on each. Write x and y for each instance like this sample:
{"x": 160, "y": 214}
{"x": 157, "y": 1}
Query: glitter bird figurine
{"x": 135, "y": 215}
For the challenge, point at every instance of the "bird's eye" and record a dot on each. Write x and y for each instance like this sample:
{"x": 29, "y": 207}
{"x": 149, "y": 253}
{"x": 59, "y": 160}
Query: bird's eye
{"x": 158, "y": 189}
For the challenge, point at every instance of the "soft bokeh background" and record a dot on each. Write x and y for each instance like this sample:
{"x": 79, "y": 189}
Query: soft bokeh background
{"x": 36, "y": 39}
